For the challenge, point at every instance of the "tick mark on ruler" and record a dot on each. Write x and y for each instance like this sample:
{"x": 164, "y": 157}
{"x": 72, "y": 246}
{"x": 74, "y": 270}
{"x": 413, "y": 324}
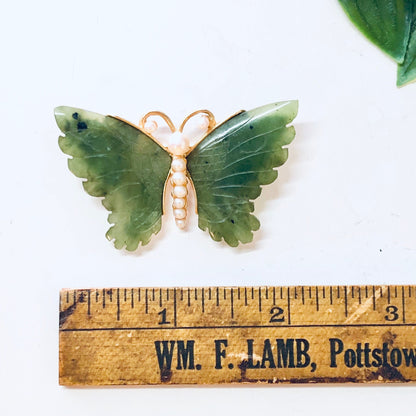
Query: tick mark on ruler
{"x": 146, "y": 301}
{"x": 118, "y": 304}
{"x": 346, "y": 301}
{"x": 259, "y": 299}
{"x": 89, "y": 302}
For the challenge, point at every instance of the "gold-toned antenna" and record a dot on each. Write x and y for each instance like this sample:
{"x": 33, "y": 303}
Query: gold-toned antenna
{"x": 211, "y": 119}
{"x": 160, "y": 114}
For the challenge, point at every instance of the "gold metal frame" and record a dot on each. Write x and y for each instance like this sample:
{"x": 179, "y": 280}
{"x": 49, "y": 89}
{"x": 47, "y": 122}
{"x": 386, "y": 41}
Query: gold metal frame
{"x": 211, "y": 126}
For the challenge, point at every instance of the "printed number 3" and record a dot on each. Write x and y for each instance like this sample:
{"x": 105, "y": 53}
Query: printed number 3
{"x": 392, "y": 313}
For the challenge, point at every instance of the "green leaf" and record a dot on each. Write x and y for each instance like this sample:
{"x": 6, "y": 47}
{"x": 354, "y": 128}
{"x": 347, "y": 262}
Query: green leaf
{"x": 386, "y": 23}
{"x": 407, "y": 70}
{"x": 230, "y": 164}
{"x": 123, "y": 165}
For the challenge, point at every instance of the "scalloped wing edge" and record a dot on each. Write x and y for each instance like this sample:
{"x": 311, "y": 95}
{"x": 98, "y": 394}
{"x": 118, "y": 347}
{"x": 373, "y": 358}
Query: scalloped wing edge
{"x": 111, "y": 233}
{"x": 253, "y": 221}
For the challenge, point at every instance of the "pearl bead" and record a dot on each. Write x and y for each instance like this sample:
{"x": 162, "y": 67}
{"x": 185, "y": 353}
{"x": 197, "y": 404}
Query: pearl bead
{"x": 178, "y": 144}
{"x": 150, "y": 126}
{"x": 178, "y": 178}
{"x": 178, "y": 165}
{"x": 179, "y": 191}
{"x": 178, "y": 203}
{"x": 203, "y": 122}
{"x": 180, "y": 214}
{"x": 180, "y": 224}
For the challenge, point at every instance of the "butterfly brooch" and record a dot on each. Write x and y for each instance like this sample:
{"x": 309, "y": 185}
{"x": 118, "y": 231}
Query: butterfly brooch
{"x": 131, "y": 169}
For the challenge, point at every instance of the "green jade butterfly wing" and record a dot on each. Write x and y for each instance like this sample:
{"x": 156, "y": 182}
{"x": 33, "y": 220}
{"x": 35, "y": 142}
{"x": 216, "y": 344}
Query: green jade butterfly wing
{"x": 229, "y": 166}
{"x": 120, "y": 163}
{"x": 386, "y": 23}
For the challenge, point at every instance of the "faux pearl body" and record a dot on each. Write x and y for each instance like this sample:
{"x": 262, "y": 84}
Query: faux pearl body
{"x": 179, "y": 181}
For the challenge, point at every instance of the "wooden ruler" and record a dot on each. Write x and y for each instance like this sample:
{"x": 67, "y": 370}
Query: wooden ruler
{"x": 216, "y": 335}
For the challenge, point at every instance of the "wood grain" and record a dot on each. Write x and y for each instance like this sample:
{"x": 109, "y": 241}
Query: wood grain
{"x": 222, "y": 335}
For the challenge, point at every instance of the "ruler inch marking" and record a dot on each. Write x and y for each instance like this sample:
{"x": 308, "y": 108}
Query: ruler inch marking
{"x": 232, "y": 303}
{"x": 259, "y": 299}
{"x": 118, "y": 304}
{"x": 146, "y": 300}
{"x": 89, "y": 302}
{"x": 175, "y": 322}
{"x": 346, "y": 301}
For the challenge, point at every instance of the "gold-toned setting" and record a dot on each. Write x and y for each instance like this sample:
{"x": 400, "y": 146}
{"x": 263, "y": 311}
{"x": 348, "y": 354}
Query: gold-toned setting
{"x": 210, "y": 127}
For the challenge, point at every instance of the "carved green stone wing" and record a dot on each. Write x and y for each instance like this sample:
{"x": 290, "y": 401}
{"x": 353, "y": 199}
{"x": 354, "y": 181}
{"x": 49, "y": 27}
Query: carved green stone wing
{"x": 386, "y": 23}
{"x": 407, "y": 70}
{"x": 230, "y": 164}
{"x": 121, "y": 164}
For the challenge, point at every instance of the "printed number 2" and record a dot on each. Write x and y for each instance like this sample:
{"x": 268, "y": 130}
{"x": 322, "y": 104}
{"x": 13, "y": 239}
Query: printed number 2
{"x": 392, "y": 313}
{"x": 163, "y": 320}
{"x": 277, "y": 314}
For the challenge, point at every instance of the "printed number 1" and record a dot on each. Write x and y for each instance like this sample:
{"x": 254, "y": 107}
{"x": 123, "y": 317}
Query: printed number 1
{"x": 163, "y": 320}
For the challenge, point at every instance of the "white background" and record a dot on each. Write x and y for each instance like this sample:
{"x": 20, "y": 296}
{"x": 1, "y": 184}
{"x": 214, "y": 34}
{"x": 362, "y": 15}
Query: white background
{"x": 342, "y": 211}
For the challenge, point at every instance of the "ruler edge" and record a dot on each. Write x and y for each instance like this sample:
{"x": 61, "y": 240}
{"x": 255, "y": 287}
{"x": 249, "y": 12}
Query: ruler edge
{"x": 244, "y": 384}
